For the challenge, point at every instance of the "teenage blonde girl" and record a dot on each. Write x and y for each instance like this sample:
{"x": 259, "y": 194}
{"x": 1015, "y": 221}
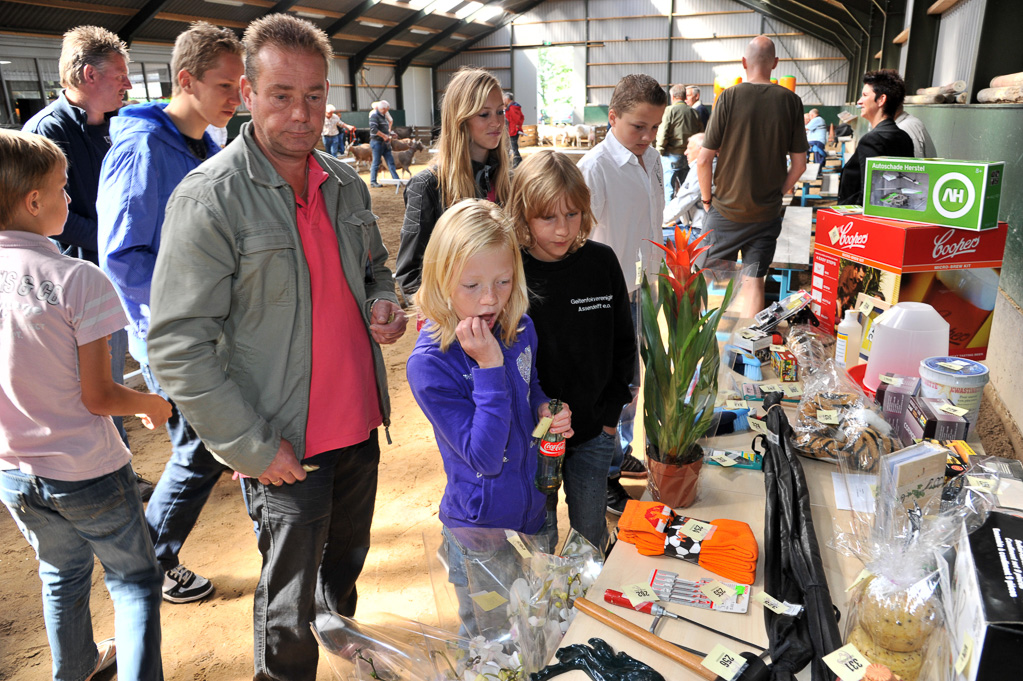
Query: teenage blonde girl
{"x": 472, "y": 162}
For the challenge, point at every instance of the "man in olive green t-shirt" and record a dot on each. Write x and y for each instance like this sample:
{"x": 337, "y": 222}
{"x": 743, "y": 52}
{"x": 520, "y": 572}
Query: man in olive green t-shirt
{"x": 754, "y": 126}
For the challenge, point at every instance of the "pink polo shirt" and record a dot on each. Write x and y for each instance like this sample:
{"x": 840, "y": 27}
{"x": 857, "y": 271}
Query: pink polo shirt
{"x": 343, "y": 404}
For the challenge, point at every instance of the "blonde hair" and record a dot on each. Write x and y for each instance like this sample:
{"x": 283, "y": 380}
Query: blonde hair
{"x": 466, "y": 95}
{"x": 198, "y": 49}
{"x": 25, "y": 161}
{"x": 283, "y": 32}
{"x": 87, "y": 46}
{"x": 465, "y": 230}
{"x": 540, "y": 182}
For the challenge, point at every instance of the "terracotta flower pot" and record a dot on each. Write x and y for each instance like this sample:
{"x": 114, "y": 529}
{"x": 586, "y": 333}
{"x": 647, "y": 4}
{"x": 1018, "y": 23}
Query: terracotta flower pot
{"x": 673, "y": 485}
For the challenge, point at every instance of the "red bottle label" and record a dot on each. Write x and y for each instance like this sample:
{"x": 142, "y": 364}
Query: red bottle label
{"x": 552, "y": 448}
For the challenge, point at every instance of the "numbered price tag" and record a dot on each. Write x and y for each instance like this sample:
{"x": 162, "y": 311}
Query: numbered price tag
{"x": 717, "y": 592}
{"x": 983, "y": 484}
{"x": 516, "y": 541}
{"x": 776, "y": 606}
{"x": 866, "y": 306}
{"x": 750, "y": 334}
{"x": 828, "y": 416}
{"x": 792, "y": 390}
{"x": 953, "y": 366}
{"x": 639, "y": 272}
{"x": 542, "y": 426}
{"x": 488, "y": 600}
{"x": 725, "y": 663}
{"x": 965, "y": 653}
{"x": 891, "y": 380}
{"x": 772, "y": 388}
{"x": 736, "y": 404}
{"x": 777, "y": 348}
{"x": 639, "y": 594}
{"x": 722, "y": 459}
{"x": 953, "y": 410}
{"x": 759, "y": 426}
{"x": 847, "y": 662}
{"x": 697, "y": 529}
{"x": 863, "y": 576}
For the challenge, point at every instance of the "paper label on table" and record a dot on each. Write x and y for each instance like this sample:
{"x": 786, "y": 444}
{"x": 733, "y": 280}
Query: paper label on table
{"x": 758, "y": 425}
{"x": 953, "y": 410}
{"x": 866, "y": 306}
{"x": 965, "y": 652}
{"x": 828, "y": 416}
{"x": 792, "y": 390}
{"x": 891, "y": 380}
{"x": 639, "y": 272}
{"x": 953, "y": 366}
{"x": 864, "y": 574}
{"x": 516, "y": 541}
{"x": 724, "y": 662}
{"x": 776, "y": 606}
{"x": 777, "y": 348}
{"x": 488, "y": 600}
{"x": 750, "y": 334}
{"x": 639, "y": 594}
{"x": 736, "y": 404}
{"x": 722, "y": 459}
{"x": 696, "y": 529}
{"x": 542, "y": 426}
{"x": 847, "y": 662}
{"x": 717, "y": 592}
{"x": 772, "y": 388}
{"x": 982, "y": 484}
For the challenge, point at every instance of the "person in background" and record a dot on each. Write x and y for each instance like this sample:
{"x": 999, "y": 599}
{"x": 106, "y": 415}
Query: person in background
{"x": 883, "y": 92}
{"x": 685, "y": 207}
{"x": 380, "y": 137}
{"x": 755, "y": 126}
{"x": 65, "y": 474}
{"x": 923, "y": 145}
{"x": 693, "y": 100}
{"x": 513, "y": 114}
{"x": 626, "y": 183}
{"x": 153, "y": 147}
{"x": 269, "y": 301}
{"x": 333, "y": 142}
{"x": 472, "y": 162}
{"x": 587, "y": 349}
{"x": 94, "y": 72}
{"x": 816, "y": 136}
{"x": 679, "y": 123}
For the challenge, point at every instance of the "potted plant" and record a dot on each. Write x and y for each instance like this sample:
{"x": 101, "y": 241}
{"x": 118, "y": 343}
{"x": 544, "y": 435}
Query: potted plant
{"x": 681, "y": 359}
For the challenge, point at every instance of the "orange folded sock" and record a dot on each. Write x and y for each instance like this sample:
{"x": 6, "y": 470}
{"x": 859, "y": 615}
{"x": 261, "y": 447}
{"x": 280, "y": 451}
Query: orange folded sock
{"x": 643, "y": 524}
{"x": 731, "y": 551}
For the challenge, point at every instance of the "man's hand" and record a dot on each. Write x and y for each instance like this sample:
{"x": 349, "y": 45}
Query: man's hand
{"x": 285, "y": 468}
{"x": 562, "y": 421}
{"x": 386, "y": 322}
{"x": 479, "y": 343}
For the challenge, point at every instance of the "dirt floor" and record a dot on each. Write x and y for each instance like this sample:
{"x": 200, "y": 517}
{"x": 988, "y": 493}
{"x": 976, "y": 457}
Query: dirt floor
{"x": 212, "y": 639}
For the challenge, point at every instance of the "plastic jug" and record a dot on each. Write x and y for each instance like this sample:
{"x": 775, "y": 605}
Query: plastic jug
{"x": 902, "y": 336}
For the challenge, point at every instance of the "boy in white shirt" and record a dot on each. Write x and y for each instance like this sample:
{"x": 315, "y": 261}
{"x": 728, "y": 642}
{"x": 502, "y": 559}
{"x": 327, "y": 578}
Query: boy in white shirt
{"x": 65, "y": 474}
{"x": 626, "y": 185}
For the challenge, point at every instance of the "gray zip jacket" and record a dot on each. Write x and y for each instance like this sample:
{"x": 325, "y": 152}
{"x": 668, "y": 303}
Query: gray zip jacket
{"x": 230, "y": 337}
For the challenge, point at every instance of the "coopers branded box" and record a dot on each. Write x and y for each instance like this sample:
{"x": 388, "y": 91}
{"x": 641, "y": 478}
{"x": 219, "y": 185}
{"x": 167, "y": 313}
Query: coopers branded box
{"x": 960, "y": 194}
{"x": 954, "y": 271}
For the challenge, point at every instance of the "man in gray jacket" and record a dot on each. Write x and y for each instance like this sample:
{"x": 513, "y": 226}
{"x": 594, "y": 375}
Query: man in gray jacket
{"x": 269, "y": 299}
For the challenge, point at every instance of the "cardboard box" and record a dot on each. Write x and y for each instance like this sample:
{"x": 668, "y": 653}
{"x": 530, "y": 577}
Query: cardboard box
{"x": 960, "y": 194}
{"x": 954, "y": 271}
{"x": 988, "y": 598}
{"x": 924, "y": 420}
{"x": 893, "y": 393}
{"x": 784, "y": 364}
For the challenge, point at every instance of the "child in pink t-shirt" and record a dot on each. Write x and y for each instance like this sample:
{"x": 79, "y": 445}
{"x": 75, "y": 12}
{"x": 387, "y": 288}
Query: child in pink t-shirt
{"x": 65, "y": 475}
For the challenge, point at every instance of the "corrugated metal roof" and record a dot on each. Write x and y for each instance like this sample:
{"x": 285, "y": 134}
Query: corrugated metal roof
{"x": 51, "y": 20}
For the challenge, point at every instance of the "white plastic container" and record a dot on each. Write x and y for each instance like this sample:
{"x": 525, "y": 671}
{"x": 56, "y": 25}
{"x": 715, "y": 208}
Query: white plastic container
{"x": 963, "y": 388}
{"x": 847, "y": 340}
{"x": 904, "y": 335}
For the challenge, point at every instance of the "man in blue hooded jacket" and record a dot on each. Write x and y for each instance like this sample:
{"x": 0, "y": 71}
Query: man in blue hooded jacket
{"x": 153, "y": 147}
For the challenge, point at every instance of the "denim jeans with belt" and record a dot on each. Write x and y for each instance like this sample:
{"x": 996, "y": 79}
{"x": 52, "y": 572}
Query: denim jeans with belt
{"x": 585, "y": 476}
{"x": 314, "y": 537}
{"x": 332, "y": 144}
{"x": 381, "y": 148}
{"x": 183, "y": 489}
{"x": 68, "y": 523}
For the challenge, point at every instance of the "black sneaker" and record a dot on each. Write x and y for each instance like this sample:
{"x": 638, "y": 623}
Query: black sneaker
{"x": 632, "y": 467}
{"x": 617, "y": 497}
{"x": 181, "y": 585}
{"x": 145, "y": 487}
{"x": 375, "y": 185}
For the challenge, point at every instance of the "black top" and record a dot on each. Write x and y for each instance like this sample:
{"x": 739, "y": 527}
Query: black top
{"x": 587, "y": 343}
{"x": 378, "y": 123}
{"x": 886, "y": 139}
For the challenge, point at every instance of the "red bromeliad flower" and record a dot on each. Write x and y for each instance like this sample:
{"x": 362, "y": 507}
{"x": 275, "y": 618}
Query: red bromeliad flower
{"x": 681, "y": 261}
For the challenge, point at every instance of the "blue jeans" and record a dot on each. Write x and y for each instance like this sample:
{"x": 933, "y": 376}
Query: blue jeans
{"x": 585, "y": 475}
{"x": 184, "y": 487}
{"x": 628, "y": 417}
{"x": 118, "y": 349}
{"x": 381, "y": 148}
{"x": 331, "y": 145}
{"x": 314, "y": 537}
{"x": 68, "y": 523}
{"x": 816, "y": 153}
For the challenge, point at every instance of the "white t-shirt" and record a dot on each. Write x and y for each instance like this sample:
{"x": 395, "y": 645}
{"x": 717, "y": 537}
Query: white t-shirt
{"x": 627, "y": 203}
{"x": 50, "y": 305}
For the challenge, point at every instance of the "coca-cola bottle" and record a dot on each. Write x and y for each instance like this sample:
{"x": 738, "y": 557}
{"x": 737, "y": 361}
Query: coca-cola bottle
{"x": 552, "y": 455}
